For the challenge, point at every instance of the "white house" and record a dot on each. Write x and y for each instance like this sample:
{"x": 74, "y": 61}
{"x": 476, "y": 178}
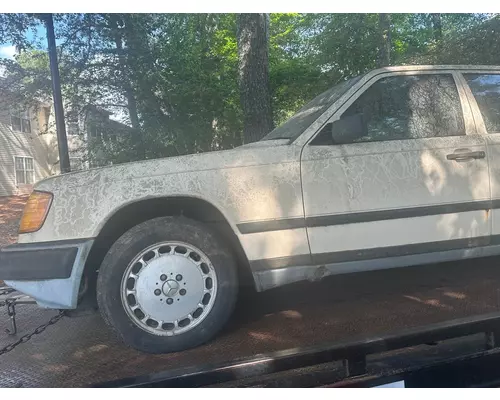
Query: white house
{"x": 28, "y": 144}
{"x": 26, "y": 156}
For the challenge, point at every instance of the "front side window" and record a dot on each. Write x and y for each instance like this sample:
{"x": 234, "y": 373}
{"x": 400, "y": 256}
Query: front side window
{"x": 25, "y": 170}
{"x": 403, "y": 107}
{"x": 486, "y": 91}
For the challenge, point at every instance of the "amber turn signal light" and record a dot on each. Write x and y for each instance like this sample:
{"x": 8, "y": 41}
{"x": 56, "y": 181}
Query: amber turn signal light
{"x": 35, "y": 211}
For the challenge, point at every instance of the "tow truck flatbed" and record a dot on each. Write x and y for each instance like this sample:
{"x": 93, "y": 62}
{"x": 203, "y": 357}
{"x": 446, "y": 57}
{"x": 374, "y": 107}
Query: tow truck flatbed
{"x": 318, "y": 365}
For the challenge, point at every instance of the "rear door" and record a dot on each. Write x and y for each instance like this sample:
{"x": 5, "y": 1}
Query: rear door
{"x": 414, "y": 181}
{"x": 483, "y": 89}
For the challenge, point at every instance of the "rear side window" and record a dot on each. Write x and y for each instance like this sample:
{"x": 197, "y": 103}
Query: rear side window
{"x": 407, "y": 107}
{"x": 486, "y": 90}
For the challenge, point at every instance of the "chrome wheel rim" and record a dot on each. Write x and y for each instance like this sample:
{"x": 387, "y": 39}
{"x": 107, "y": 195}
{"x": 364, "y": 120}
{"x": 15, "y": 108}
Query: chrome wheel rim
{"x": 169, "y": 288}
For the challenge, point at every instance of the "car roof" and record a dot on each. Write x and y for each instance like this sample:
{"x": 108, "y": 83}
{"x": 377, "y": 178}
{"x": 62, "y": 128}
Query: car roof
{"x": 434, "y": 68}
{"x": 415, "y": 68}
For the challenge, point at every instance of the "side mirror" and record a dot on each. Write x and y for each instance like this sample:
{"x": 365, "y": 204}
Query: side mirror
{"x": 348, "y": 129}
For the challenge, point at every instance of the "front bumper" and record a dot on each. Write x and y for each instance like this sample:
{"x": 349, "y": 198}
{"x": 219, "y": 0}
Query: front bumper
{"x": 50, "y": 272}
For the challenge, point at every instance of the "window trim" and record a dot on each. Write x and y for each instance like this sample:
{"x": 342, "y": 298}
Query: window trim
{"x": 25, "y": 171}
{"x": 476, "y": 111}
{"x": 349, "y": 98}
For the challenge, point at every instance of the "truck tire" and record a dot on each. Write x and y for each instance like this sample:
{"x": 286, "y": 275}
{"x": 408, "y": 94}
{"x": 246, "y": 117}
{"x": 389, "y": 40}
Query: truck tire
{"x": 167, "y": 284}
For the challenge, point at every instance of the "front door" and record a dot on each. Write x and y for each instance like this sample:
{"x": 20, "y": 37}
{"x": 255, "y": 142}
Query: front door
{"x": 483, "y": 89}
{"x": 402, "y": 174}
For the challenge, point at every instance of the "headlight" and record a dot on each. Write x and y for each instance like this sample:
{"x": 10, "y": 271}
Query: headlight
{"x": 35, "y": 211}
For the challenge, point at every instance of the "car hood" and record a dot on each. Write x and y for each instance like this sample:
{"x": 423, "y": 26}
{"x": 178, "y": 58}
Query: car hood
{"x": 265, "y": 152}
{"x": 265, "y": 143}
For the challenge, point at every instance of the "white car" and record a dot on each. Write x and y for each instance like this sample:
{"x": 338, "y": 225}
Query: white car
{"x": 393, "y": 168}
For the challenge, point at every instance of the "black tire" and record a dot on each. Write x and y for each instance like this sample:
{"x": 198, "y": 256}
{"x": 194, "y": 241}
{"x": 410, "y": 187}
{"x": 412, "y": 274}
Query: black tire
{"x": 136, "y": 240}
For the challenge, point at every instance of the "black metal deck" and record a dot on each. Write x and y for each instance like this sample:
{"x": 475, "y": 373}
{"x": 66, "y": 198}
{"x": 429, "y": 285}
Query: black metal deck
{"x": 465, "y": 369}
{"x": 82, "y": 351}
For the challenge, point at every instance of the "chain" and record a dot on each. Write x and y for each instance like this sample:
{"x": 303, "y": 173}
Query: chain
{"x": 40, "y": 329}
{"x": 6, "y": 290}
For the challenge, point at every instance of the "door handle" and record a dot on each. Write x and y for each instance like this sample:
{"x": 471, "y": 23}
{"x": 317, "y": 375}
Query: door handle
{"x": 466, "y": 156}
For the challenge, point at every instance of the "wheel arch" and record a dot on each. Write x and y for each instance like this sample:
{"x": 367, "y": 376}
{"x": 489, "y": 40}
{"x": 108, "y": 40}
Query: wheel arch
{"x": 132, "y": 213}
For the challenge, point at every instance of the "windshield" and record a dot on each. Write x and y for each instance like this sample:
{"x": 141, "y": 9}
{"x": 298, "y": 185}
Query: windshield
{"x": 297, "y": 124}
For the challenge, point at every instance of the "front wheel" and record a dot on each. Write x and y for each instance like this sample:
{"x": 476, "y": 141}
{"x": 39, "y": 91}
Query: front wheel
{"x": 168, "y": 284}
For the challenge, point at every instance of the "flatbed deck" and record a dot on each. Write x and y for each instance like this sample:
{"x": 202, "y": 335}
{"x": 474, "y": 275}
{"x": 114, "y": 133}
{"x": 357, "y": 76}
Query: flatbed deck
{"x": 78, "y": 352}
{"x": 470, "y": 360}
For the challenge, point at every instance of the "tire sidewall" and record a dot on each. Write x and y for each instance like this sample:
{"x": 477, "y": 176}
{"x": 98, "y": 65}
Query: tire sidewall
{"x": 138, "y": 239}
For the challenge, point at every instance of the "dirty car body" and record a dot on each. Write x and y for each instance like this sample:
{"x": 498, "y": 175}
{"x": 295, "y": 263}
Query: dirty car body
{"x": 393, "y": 168}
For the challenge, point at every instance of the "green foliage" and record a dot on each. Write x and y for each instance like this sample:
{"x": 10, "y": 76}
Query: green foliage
{"x": 174, "y": 76}
{"x": 294, "y": 79}
{"x": 14, "y": 27}
{"x": 477, "y": 45}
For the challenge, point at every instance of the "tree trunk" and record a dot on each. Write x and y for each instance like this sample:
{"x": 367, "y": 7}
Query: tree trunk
{"x": 384, "y": 50}
{"x": 253, "y": 69}
{"x": 132, "y": 108}
{"x": 437, "y": 26}
{"x": 127, "y": 85}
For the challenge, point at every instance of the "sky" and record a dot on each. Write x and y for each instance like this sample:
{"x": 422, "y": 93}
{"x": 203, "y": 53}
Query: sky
{"x": 7, "y": 50}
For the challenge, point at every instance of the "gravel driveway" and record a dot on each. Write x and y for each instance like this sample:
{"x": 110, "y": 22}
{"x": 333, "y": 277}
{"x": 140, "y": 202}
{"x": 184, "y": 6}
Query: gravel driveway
{"x": 11, "y": 209}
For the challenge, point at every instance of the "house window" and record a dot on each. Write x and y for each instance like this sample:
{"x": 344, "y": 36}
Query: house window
{"x": 20, "y": 122}
{"x": 94, "y": 130}
{"x": 16, "y": 123}
{"x": 76, "y": 164}
{"x": 25, "y": 170}
{"x": 72, "y": 128}
{"x": 109, "y": 136}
